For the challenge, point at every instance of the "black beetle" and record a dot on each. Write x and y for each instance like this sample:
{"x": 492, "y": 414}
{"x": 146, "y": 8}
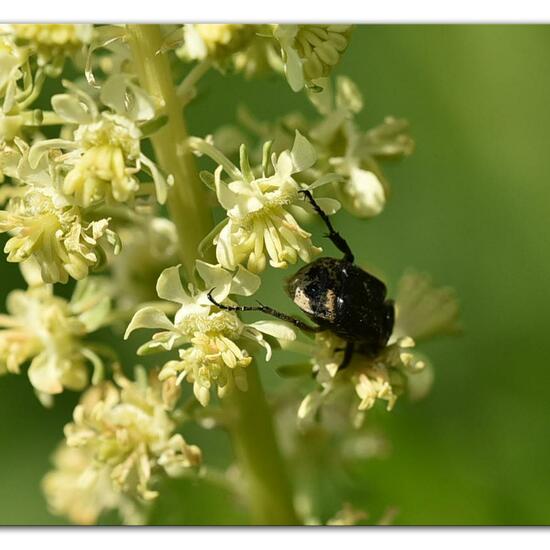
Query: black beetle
{"x": 340, "y": 297}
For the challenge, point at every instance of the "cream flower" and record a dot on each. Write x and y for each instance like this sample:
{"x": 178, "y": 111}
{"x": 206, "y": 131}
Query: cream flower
{"x": 12, "y": 60}
{"x": 104, "y": 157}
{"x": 354, "y": 154}
{"x": 54, "y": 233}
{"x": 310, "y": 52}
{"x": 383, "y": 377}
{"x": 259, "y": 209}
{"x": 82, "y": 490}
{"x": 52, "y": 40}
{"x": 48, "y": 331}
{"x": 425, "y": 312}
{"x": 122, "y": 437}
{"x": 213, "y": 339}
{"x": 214, "y": 41}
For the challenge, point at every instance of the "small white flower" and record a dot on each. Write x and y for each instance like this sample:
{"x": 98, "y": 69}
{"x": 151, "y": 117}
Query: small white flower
{"x": 120, "y": 439}
{"x": 260, "y": 209}
{"x": 48, "y": 331}
{"x": 214, "y": 41}
{"x": 12, "y": 60}
{"x": 353, "y": 154}
{"x": 49, "y": 40}
{"x": 46, "y": 228}
{"x": 421, "y": 311}
{"x": 103, "y": 159}
{"x": 81, "y": 490}
{"x": 211, "y": 340}
{"x": 310, "y": 52}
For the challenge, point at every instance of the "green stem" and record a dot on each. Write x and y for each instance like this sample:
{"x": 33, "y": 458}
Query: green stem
{"x": 251, "y": 426}
{"x": 259, "y": 457}
{"x": 185, "y": 89}
{"x": 187, "y": 200}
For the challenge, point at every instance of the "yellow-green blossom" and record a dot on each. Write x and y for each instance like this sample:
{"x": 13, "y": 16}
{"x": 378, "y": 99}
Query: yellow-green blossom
{"x": 310, "y": 52}
{"x": 12, "y": 60}
{"x": 81, "y": 490}
{"x": 421, "y": 311}
{"x": 125, "y": 438}
{"x": 354, "y": 154}
{"x": 48, "y": 332}
{"x": 260, "y": 209}
{"x": 214, "y": 41}
{"x": 212, "y": 341}
{"x": 383, "y": 377}
{"x": 55, "y": 234}
{"x": 49, "y": 40}
{"x": 104, "y": 156}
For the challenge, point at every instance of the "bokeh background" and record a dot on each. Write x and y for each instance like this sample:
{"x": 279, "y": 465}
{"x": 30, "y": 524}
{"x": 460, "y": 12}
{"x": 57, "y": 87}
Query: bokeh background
{"x": 472, "y": 207}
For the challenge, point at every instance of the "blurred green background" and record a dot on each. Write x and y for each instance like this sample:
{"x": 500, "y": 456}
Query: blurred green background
{"x": 472, "y": 207}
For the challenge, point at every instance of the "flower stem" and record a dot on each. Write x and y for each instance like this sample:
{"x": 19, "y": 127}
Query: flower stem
{"x": 187, "y": 200}
{"x": 260, "y": 460}
{"x": 251, "y": 426}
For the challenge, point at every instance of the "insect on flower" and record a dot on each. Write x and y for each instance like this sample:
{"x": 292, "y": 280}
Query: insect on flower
{"x": 339, "y": 297}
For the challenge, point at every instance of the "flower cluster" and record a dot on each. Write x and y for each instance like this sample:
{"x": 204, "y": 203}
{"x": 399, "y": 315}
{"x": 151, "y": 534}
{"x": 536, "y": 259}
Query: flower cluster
{"x": 51, "y": 41}
{"x": 262, "y": 208}
{"x": 103, "y": 156}
{"x": 81, "y": 192}
{"x": 214, "y": 41}
{"x": 341, "y": 146}
{"x": 28, "y": 54}
{"x": 59, "y": 186}
{"x": 397, "y": 367}
{"x": 47, "y": 331}
{"x": 54, "y": 234}
{"x": 304, "y": 53}
{"x": 213, "y": 354}
{"x": 310, "y": 52}
{"x": 122, "y": 436}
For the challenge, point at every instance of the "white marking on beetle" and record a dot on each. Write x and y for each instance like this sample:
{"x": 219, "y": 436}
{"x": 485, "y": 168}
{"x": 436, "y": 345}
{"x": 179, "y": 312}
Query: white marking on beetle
{"x": 302, "y": 301}
{"x": 330, "y": 304}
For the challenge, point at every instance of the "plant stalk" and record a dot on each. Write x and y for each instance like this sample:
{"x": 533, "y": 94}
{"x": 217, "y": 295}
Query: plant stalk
{"x": 251, "y": 426}
{"x": 187, "y": 199}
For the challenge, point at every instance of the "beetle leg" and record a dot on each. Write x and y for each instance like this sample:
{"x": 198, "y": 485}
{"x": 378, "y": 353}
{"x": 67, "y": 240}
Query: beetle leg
{"x": 269, "y": 311}
{"x": 338, "y": 241}
{"x": 348, "y": 355}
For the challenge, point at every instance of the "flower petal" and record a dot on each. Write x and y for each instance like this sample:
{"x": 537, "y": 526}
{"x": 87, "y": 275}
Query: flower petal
{"x": 303, "y": 153}
{"x": 245, "y": 283}
{"x": 69, "y": 107}
{"x": 214, "y": 277}
{"x": 148, "y": 317}
{"x": 328, "y": 206}
{"x": 277, "y": 329}
{"x": 169, "y": 286}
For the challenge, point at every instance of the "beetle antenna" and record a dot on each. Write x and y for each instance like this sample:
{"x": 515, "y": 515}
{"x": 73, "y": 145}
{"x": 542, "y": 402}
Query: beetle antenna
{"x": 268, "y": 311}
{"x": 337, "y": 239}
